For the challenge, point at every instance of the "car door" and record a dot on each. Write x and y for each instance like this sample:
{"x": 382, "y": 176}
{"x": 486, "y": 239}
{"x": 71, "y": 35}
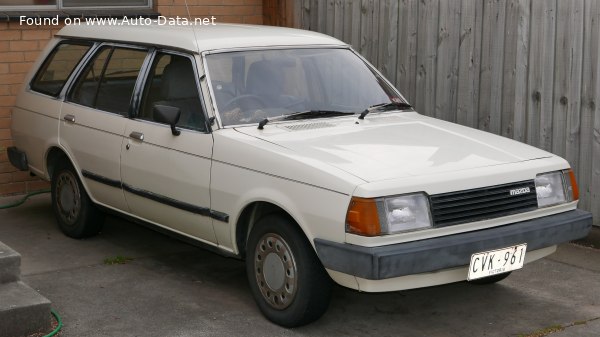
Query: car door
{"x": 94, "y": 117}
{"x": 166, "y": 171}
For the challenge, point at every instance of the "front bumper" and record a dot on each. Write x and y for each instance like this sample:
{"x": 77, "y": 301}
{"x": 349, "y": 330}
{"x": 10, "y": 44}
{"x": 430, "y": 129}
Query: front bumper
{"x": 378, "y": 263}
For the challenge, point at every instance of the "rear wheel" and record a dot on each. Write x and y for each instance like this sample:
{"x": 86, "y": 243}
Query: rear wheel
{"x": 76, "y": 214}
{"x": 287, "y": 280}
{"x": 490, "y": 279}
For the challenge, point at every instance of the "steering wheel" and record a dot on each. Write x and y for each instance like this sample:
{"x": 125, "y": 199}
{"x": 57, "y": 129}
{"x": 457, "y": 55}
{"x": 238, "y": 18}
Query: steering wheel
{"x": 236, "y": 100}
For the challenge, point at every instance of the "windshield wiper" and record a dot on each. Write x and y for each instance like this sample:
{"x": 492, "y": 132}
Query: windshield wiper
{"x": 304, "y": 114}
{"x": 385, "y": 107}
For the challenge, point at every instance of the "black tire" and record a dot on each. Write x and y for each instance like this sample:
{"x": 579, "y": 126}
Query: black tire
{"x": 296, "y": 289}
{"x": 490, "y": 279}
{"x": 75, "y": 213}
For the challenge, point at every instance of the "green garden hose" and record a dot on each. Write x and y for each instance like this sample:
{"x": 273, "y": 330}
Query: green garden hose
{"x": 18, "y": 203}
{"x": 22, "y": 200}
{"x": 58, "y": 327}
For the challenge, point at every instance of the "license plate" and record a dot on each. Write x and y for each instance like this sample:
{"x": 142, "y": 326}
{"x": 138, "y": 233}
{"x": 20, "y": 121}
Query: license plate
{"x": 497, "y": 261}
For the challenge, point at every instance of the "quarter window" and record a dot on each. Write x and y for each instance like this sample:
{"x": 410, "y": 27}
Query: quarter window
{"x": 172, "y": 82}
{"x": 58, "y": 67}
{"x": 108, "y": 82}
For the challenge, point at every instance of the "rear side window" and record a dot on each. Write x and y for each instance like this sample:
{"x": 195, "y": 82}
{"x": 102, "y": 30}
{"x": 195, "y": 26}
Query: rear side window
{"x": 108, "y": 81}
{"x": 58, "y": 66}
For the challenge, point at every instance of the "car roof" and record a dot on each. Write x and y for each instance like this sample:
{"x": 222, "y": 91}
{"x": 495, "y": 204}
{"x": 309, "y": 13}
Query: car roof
{"x": 202, "y": 38}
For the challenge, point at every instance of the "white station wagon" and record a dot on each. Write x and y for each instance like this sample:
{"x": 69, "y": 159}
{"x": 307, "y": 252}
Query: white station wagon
{"x": 287, "y": 149}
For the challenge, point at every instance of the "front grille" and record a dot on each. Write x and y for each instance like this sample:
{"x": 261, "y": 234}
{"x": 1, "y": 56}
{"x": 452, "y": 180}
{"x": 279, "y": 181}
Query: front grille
{"x": 482, "y": 203}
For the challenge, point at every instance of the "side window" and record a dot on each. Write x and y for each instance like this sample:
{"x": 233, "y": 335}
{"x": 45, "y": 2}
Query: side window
{"x": 87, "y": 84}
{"x": 172, "y": 82}
{"x": 58, "y": 67}
{"x": 108, "y": 81}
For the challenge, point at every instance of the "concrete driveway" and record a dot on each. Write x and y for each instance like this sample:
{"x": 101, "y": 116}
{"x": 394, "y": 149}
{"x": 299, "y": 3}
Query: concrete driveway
{"x": 173, "y": 289}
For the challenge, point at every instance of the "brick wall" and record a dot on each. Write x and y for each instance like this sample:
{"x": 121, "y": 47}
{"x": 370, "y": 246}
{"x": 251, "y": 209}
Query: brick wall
{"x": 21, "y": 45}
{"x": 235, "y": 11}
{"x": 19, "y": 48}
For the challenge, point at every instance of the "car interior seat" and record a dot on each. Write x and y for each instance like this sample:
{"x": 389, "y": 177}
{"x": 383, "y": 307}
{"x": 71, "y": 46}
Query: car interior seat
{"x": 179, "y": 89}
{"x": 266, "y": 79}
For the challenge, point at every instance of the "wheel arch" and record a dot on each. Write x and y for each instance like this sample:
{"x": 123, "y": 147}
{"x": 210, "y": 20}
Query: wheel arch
{"x": 53, "y": 156}
{"x": 251, "y": 214}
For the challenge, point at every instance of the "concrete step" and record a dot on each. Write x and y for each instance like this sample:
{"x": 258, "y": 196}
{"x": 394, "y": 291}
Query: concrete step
{"x": 10, "y": 264}
{"x": 22, "y": 310}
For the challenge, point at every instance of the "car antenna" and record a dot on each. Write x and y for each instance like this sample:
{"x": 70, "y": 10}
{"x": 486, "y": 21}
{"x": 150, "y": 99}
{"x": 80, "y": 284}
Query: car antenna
{"x": 187, "y": 8}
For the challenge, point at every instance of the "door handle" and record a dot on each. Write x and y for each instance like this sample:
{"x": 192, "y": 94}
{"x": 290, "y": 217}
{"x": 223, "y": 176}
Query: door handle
{"x": 137, "y": 136}
{"x": 69, "y": 118}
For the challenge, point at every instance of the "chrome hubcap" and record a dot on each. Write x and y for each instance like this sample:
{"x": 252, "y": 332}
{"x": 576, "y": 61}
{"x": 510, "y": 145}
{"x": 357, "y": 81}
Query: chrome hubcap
{"x": 68, "y": 197}
{"x": 275, "y": 271}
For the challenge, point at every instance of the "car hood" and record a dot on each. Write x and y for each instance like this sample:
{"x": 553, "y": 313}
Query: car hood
{"x": 395, "y": 145}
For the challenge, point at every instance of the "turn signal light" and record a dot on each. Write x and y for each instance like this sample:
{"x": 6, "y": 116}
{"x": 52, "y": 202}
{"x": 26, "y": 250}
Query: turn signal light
{"x": 573, "y": 189}
{"x": 362, "y": 217}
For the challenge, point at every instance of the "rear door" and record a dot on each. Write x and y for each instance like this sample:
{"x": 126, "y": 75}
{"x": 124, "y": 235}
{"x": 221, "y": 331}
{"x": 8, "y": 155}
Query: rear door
{"x": 166, "y": 177}
{"x": 94, "y": 117}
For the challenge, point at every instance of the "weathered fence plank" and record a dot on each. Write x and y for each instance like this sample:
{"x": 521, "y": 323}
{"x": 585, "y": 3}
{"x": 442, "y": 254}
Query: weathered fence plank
{"x": 390, "y": 58}
{"x": 407, "y": 49}
{"x": 509, "y": 72}
{"x": 541, "y": 73}
{"x": 521, "y": 70}
{"x": 366, "y": 28}
{"x": 469, "y": 62}
{"x": 567, "y": 81}
{"x": 338, "y": 19}
{"x": 329, "y": 16}
{"x": 315, "y": 16}
{"x": 490, "y": 86}
{"x": 347, "y": 22}
{"x": 297, "y": 10}
{"x": 427, "y": 35}
{"x": 375, "y": 24}
{"x": 321, "y": 7}
{"x": 447, "y": 60}
{"x": 305, "y": 15}
{"x": 355, "y": 22}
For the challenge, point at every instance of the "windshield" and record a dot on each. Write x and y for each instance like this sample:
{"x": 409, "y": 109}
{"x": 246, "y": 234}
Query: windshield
{"x": 250, "y": 86}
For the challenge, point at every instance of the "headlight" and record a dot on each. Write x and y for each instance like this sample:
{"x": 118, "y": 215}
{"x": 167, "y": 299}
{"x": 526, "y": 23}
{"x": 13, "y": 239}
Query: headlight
{"x": 555, "y": 188}
{"x": 389, "y": 215}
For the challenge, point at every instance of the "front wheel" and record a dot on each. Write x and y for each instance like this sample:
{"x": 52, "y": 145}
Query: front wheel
{"x": 76, "y": 214}
{"x": 287, "y": 280}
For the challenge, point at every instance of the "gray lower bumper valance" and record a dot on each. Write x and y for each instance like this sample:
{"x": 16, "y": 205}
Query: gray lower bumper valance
{"x": 415, "y": 257}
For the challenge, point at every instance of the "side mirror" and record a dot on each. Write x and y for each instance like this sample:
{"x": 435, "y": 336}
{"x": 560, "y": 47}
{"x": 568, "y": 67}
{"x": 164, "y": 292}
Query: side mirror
{"x": 168, "y": 115}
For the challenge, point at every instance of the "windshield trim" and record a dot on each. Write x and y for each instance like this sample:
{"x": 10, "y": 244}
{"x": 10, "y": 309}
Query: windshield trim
{"x": 274, "y": 47}
{"x": 214, "y": 107}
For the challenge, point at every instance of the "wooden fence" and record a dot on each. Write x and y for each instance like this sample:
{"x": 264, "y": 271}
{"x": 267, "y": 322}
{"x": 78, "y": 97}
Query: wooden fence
{"x": 524, "y": 69}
